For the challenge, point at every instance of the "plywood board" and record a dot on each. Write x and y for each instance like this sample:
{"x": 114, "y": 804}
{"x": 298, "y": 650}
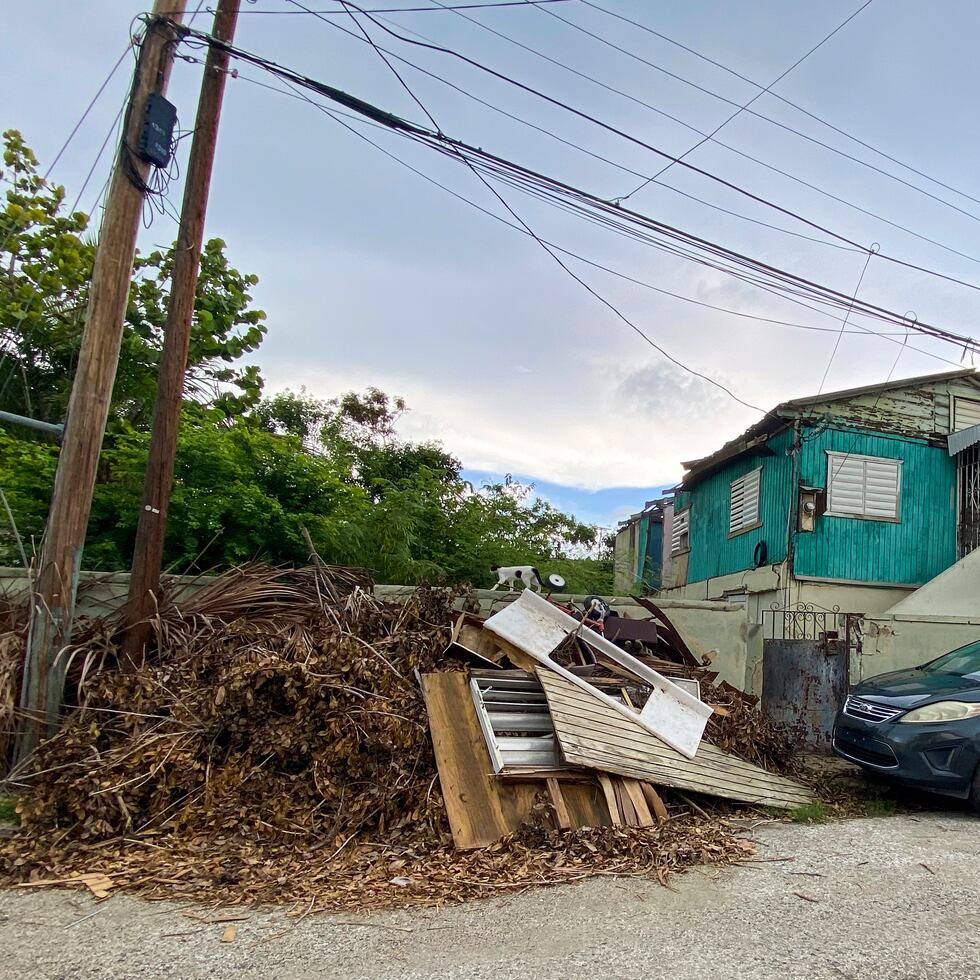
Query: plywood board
{"x": 592, "y": 734}
{"x": 480, "y": 809}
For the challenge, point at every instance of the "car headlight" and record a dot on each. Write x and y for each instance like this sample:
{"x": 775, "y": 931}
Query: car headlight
{"x": 941, "y": 711}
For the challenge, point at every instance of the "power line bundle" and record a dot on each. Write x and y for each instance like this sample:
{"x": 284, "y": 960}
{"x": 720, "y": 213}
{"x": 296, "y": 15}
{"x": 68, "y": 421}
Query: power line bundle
{"x": 622, "y": 220}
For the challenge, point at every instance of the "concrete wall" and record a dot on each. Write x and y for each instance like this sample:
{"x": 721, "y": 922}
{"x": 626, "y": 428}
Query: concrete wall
{"x": 767, "y": 588}
{"x": 718, "y": 629}
{"x": 99, "y": 593}
{"x": 624, "y": 559}
{"x": 895, "y": 641}
{"x": 955, "y": 592}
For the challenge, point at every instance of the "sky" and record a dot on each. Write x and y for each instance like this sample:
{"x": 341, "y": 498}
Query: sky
{"x": 372, "y": 275}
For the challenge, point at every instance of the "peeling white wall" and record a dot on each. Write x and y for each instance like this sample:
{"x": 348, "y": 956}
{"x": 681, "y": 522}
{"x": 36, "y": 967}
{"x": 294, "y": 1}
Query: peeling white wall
{"x": 897, "y": 642}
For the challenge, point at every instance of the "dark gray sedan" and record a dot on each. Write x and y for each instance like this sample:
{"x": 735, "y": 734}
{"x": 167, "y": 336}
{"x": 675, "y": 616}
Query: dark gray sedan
{"x": 920, "y": 727}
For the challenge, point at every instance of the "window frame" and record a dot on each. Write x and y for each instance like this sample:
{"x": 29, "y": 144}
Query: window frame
{"x": 686, "y": 515}
{"x": 898, "y": 463}
{"x": 954, "y": 412}
{"x": 757, "y": 523}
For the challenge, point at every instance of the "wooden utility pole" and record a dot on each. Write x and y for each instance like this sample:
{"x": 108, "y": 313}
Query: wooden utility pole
{"x": 88, "y": 407}
{"x": 144, "y": 583}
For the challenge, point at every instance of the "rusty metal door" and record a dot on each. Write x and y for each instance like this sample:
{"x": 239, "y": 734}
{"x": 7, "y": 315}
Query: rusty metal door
{"x": 804, "y": 683}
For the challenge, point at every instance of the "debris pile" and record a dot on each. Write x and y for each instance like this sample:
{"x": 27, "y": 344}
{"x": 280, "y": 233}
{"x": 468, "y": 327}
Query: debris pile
{"x": 291, "y": 737}
{"x": 13, "y": 641}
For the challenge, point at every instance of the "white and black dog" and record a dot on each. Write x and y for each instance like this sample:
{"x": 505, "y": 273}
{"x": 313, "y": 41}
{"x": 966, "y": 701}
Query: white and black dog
{"x": 510, "y": 575}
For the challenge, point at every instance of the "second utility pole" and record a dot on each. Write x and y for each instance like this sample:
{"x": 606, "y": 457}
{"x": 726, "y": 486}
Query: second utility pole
{"x": 144, "y": 583}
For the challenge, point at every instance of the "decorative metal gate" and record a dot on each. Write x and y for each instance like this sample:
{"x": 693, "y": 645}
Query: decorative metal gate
{"x": 806, "y": 666}
{"x": 968, "y": 491}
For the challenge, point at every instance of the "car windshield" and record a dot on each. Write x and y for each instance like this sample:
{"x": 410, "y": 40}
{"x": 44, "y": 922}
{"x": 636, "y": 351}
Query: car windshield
{"x": 964, "y": 662}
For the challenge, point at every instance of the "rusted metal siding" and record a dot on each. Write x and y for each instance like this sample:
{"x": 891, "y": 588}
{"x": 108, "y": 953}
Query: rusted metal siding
{"x": 804, "y": 683}
{"x": 917, "y": 547}
{"x": 713, "y": 551}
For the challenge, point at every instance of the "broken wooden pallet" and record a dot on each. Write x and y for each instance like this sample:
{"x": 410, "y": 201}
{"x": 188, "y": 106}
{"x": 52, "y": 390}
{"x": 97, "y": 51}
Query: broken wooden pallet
{"x": 482, "y": 808}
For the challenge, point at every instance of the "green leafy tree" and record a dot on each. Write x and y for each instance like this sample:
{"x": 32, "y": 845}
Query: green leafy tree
{"x": 251, "y": 474}
{"x": 45, "y": 271}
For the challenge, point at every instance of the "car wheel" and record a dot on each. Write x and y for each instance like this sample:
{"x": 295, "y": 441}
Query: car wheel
{"x": 975, "y": 791}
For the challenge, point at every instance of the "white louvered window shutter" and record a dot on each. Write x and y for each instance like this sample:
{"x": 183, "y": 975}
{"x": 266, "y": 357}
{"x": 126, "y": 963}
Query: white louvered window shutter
{"x": 745, "y": 502}
{"x": 680, "y": 531}
{"x": 863, "y": 486}
{"x": 966, "y": 412}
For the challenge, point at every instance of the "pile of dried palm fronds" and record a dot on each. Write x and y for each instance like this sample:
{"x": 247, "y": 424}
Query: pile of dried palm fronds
{"x": 739, "y": 727}
{"x": 234, "y": 869}
{"x": 273, "y": 746}
{"x": 14, "y": 619}
{"x": 265, "y": 708}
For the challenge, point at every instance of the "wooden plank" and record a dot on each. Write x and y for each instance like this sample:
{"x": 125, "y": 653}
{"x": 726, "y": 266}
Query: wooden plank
{"x": 584, "y": 799}
{"x": 480, "y": 810}
{"x": 611, "y": 802}
{"x": 655, "y": 803}
{"x": 558, "y": 802}
{"x": 635, "y": 792}
{"x": 585, "y": 751}
{"x": 594, "y": 735}
{"x": 515, "y": 654}
{"x": 623, "y": 802}
{"x": 711, "y": 766}
{"x": 586, "y": 802}
{"x": 531, "y": 774}
{"x": 591, "y": 718}
{"x": 589, "y": 723}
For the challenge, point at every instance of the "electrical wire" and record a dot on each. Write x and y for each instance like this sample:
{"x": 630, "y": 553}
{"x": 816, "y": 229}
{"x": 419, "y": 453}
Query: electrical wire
{"x": 64, "y": 146}
{"x": 642, "y": 143}
{"x": 98, "y": 156}
{"x": 339, "y": 116}
{"x": 774, "y": 122}
{"x": 588, "y": 152}
{"x": 95, "y": 98}
{"x": 757, "y": 96}
{"x": 495, "y": 165}
{"x": 795, "y": 105}
{"x": 554, "y": 255}
{"x": 414, "y": 10}
{"x": 843, "y": 325}
{"x": 694, "y": 129}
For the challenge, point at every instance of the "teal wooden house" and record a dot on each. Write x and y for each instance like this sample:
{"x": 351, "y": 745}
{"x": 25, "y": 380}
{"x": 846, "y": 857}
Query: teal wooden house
{"x": 638, "y": 551}
{"x": 846, "y": 500}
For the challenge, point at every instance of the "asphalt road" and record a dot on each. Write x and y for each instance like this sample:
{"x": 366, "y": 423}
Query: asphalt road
{"x": 890, "y": 897}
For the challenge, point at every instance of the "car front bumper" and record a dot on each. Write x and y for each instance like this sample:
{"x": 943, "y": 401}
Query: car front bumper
{"x": 941, "y": 758}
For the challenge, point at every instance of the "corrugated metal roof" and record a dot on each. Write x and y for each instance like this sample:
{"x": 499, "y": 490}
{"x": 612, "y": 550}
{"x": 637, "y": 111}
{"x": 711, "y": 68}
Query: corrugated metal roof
{"x": 958, "y": 441}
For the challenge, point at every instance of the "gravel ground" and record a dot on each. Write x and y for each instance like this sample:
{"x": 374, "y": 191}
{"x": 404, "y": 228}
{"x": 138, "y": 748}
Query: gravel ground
{"x": 890, "y": 897}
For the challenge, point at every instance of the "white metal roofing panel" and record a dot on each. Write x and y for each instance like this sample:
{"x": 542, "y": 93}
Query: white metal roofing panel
{"x": 958, "y": 441}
